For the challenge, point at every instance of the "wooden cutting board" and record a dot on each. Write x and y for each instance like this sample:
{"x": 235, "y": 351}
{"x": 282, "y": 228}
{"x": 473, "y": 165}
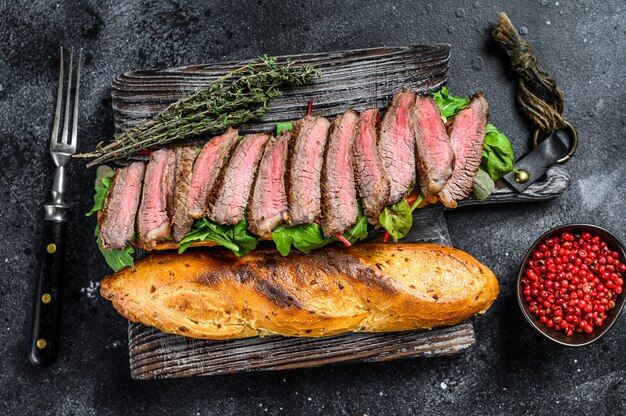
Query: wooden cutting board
{"x": 359, "y": 79}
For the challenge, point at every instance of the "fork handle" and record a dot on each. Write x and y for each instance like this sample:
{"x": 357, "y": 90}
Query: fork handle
{"x": 44, "y": 344}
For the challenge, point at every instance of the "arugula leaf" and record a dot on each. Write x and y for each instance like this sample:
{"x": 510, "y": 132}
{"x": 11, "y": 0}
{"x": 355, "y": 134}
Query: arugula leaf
{"x": 204, "y": 229}
{"x": 103, "y": 182}
{"x": 116, "y": 259}
{"x": 308, "y": 237}
{"x": 497, "y": 159}
{"x": 483, "y": 185}
{"x": 449, "y": 105}
{"x": 397, "y": 219}
{"x": 283, "y": 126}
{"x": 245, "y": 240}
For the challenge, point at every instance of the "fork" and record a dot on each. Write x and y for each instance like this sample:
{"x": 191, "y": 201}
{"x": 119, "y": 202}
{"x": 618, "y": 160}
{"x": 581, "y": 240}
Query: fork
{"x": 44, "y": 345}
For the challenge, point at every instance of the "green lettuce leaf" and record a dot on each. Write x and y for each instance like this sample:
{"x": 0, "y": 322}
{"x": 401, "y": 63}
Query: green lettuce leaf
{"x": 103, "y": 182}
{"x": 397, "y": 219}
{"x": 483, "y": 185}
{"x": 449, "y": 105}
{"x": 308, "y": 237}
{"x": 497, "y": 159}
{"x": 236, "y": 238}
{"x": 283, "y": 126}
{"x": 116, "y": 259}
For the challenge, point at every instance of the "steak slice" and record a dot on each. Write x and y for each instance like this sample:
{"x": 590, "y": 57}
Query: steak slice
{"x": 372, "y": 185}
{"x": 206, "y": 170}
{"x": 396, "y": 145}
{"x": 339, "y": 206}
{"x": 268, "y": 206}
{"x": 153, "y": 223}
{"x": 229, "y": 204}
{"x": 117, "y": 221}
{"x": 181, "y": 221}
{"x": 467, "y": 138}
{"x": 305, "y": 169}
{"x": 434, "y": 154}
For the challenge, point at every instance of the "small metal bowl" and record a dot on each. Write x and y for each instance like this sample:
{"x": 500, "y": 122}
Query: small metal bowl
{"x": 577, "y": 339}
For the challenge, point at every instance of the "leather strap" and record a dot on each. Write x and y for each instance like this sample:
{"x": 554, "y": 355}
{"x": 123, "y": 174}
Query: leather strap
{"x": 537, "y": 162}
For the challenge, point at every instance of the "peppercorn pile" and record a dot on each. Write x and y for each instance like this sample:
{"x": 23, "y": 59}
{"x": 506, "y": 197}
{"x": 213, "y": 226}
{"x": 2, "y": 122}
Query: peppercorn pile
{"x": 572, "y": 281}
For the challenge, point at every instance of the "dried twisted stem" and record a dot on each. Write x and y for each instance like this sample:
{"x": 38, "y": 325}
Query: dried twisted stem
{"x": 238, "y": 97}
{"x": 537, "y": 92}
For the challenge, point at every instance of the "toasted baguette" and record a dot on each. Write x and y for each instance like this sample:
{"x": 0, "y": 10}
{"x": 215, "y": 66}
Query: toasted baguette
{"x": 368, "y": 288}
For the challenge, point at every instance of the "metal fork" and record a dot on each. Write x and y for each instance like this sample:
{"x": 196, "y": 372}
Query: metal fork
{"x": 44, "y": 345}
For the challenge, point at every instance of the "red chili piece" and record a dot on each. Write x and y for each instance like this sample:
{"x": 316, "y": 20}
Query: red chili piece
{"x": 572, "y": 281}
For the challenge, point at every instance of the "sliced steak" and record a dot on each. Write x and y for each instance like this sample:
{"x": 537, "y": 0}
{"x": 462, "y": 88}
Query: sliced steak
{"x": 206, "y": 170}
{"x": 372, "y": 185}
{"x": 230, "y": 201}
{"x": 268, "y": 206}
{"x": 153, "y": 222}
{"x": 117, "y": 221}
{"x": 434, "y": 154}
{"x": 396, "y": 145}
{"x": 305, "y": 169}
{"x": 467, "y": 138}
{"x": 181, "y": 221}
{"x": 339, "y": 206}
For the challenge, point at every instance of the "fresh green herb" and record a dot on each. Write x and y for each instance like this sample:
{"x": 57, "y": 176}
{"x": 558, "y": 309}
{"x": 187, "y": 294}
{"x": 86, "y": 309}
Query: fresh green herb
{"x": 308, "y": 237}
{"x": 116, "y": 259}
{"x": 103, "y": 181}
{"x": 483, "y": 185}
{"x": 397, "y": 219}
{"x": 238, "y": 97}
{"x": 449, "y": 105}
{"x": 283, "y": 126}
{"x": 497, "y": 159}
{"x": 236, "y": 238}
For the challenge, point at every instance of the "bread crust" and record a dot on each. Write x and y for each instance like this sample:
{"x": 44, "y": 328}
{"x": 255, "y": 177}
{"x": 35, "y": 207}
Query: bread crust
{"x": 213, "y": 294}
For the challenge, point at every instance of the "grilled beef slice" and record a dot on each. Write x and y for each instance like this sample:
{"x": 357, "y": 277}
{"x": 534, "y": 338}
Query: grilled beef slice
{"x": 117, "y": 221}
{"x": 396, "y": 145}
{"x": 434, "y": 154}
{"x": 372, "y": 185}
{"x": 467, "y": 138}
{"x": 305, "y": 163}
{"x": 268, "y": 206}
{"x": 153, "y": 222}
{"x": 206, "y": 170}
{"x": 339, "y": 205}
{"x": 229, "y": 203}
{"x": 181, "y": 221}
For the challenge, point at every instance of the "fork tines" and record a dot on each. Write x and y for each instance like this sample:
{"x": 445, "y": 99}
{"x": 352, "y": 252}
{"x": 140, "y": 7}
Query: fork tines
{"x": 64, "y": 143}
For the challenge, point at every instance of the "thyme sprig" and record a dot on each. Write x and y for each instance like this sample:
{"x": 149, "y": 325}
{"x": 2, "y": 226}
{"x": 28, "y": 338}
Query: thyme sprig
{"x": 237, "y": 97}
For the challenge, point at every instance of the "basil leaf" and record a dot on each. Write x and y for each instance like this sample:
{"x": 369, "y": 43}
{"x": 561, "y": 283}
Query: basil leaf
{"x": 103, "y": 182}
{"x": 116, "y": 259}
{"x": 483, "y": 185}
{"x": 397, "y": 219}
{"x": 449, "y": 105}
{"x": 497, "y": 159}
{"x": 283, "y": 126}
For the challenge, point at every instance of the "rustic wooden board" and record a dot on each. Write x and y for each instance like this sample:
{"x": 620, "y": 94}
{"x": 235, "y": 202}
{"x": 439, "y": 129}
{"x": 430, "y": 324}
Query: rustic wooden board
{"x": 359, "y": 79}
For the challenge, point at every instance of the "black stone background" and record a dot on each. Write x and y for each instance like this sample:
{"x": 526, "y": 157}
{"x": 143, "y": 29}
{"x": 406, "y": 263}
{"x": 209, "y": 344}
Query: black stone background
{"x": 511, "y": 369}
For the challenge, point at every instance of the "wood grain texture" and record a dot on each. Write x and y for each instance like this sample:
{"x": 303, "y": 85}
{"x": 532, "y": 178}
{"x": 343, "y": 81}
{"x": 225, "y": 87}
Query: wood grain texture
{"x": 359, "y": 79}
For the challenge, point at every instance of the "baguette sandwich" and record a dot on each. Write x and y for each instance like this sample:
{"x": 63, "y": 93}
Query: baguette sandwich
{"x": 369, "y": 288}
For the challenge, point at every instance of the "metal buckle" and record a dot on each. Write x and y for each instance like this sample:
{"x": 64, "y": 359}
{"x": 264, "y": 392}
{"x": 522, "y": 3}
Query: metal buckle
{"x": 573, "y": 145}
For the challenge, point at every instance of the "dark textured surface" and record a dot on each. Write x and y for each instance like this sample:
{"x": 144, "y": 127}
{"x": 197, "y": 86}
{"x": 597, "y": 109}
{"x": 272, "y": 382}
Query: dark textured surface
{"x": 510, "y": 370}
